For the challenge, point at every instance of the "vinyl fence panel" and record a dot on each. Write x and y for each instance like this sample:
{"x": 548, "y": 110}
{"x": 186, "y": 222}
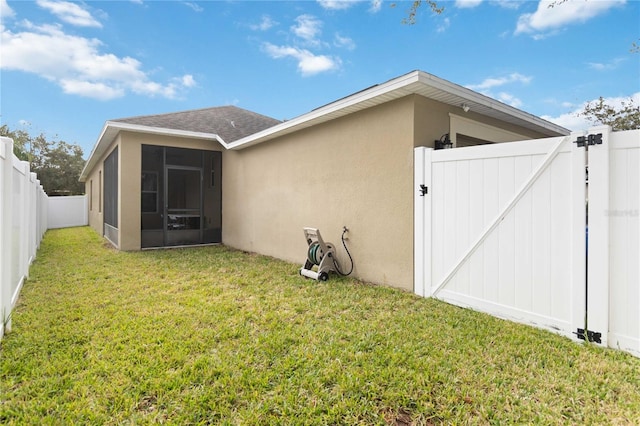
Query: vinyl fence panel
{"x": 66, "y": 212}
{"x": 23, "y": 221}
{"x": 623, "y": 219}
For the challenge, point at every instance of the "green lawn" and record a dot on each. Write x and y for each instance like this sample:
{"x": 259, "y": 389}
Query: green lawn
{"x": 216, "y": 336}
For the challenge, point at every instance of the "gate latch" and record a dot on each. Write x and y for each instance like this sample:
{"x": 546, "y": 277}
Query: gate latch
{"x": 424, "y": 190}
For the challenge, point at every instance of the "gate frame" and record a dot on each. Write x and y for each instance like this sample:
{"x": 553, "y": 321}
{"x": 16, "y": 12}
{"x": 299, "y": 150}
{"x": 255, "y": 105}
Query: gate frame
{"x": 591, "y": 253}
{"x": 423, "y": 222}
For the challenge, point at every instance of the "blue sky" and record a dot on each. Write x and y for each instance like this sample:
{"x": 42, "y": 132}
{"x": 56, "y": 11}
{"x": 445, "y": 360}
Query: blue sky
{"x": 67, "y": 67}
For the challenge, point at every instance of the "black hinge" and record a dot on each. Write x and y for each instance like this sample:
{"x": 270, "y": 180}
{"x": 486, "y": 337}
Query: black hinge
{"x": 589, "y": 140}
{"x": 592, "y": 336}
{"x": 424, "y": 190}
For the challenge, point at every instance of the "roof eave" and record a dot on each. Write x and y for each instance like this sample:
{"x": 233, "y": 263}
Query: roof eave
{"x": 111, "y": 129}
{"x": 414, "y": 82}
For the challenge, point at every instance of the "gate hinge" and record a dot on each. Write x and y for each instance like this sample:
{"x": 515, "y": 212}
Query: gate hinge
{"x": 589, "y": 140}
{"x": 424, "y": 190}
{"x": 592, "y": 336}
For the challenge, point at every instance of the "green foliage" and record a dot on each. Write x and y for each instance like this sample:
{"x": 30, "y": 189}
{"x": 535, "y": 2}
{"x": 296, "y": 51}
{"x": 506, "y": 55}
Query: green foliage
{"x": 627, "y": 117}
{"x": 57, "y": 163}
{"x": 212, "y": 335}
{"x": 21, "y": 140}
{"x": 415, "y": 6}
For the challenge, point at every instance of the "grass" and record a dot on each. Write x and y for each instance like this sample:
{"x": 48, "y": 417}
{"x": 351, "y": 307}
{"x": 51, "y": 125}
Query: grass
{"x": 217, "y": 336}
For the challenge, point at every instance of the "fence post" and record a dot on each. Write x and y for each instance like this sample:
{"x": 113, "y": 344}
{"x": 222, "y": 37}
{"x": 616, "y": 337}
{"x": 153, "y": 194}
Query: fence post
{"x": 598, "y": 245}
{"x": 6, "y": 222}
{"x": 418, "y": 222}
{"x": 422, "y": 222}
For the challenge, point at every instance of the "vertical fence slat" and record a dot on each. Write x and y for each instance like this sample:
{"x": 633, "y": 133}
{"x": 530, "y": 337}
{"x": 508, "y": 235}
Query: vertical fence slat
{"x": 6, "y": 224}
{"x": 624, "y": 241}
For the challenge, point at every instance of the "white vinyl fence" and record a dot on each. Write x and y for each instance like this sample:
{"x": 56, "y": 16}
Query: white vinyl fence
{"x": 68, "y": 211}
{"x": 26, "y": 212}
{"x": 502, "y": 229}
{"x": 23, "y": 222}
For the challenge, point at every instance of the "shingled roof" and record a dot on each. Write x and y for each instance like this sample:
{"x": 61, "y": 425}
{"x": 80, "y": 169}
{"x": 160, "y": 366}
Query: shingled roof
{"x": 229, "y": 122}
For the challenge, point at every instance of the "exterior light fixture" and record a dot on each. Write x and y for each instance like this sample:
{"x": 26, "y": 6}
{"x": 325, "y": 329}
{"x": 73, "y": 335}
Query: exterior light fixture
{"x": 444, "y": 142}
{"x": 465, "y": 107}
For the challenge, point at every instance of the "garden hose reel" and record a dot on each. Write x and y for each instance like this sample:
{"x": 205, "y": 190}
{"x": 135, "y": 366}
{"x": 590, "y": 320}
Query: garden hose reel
{"x": 322, "y": 256}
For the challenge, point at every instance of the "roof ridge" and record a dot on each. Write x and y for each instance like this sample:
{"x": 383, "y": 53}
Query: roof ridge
{"x": 183, "y": 112}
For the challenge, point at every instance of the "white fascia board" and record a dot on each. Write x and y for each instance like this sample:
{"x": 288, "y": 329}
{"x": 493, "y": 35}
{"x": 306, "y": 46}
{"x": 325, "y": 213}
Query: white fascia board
{"x": 163, "y": 131}
{"x": 112, "y": 128}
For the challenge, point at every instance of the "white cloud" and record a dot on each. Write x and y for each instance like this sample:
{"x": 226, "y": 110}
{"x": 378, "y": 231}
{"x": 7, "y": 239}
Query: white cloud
{"x": 308, "y": 63}
{"x": 336, "y": 4}
{"x": 71, "y": 13}
{"x": 345, "y": 42}
{"x": 467, "y": 4}
{"x": 501, "y": 81}
{"x": 89, "y": 89}
{"x": 187, "y": 80}
{"x": 547, "y": 18}
{"x": 194, "y": 6}
{"x": 507, "y": 4}
{"x": 491, "y": 83}
{"x": 5, "y": 10}
{"x": 77, "y": 65}
{"x": 266, "y": 23}
{"x": 307, "y": 27}
{"x": 574, "y": 121}
{"x": 599, "y": 66}
{"x": 509, "y": 99}
{"x": 446, "y": 23}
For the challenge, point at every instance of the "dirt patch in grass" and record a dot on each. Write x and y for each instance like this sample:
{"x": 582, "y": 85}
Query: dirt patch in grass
{"x": 211, "y": 335}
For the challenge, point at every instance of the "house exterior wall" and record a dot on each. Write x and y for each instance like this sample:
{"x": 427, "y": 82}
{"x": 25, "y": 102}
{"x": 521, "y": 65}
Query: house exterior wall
{"x": 355, "y": 171}
{"x": 94, "y": 187}
{"x": 129, "y": 184}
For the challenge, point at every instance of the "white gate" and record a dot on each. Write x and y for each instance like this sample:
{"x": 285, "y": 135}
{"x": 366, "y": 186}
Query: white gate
{"x": 501, "y": 228}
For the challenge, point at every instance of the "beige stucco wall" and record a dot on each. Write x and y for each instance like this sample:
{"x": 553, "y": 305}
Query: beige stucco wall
{"x": 130, "y": 169}
{"x": 94, "y": 187}
{"x": 355, "y": 171}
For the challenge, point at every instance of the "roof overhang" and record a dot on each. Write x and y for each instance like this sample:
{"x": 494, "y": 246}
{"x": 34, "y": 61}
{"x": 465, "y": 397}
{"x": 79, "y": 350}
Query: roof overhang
{"x": 111, "y": 130}
{"x": 413, "y": 83}
{"x": 416, "y": 82}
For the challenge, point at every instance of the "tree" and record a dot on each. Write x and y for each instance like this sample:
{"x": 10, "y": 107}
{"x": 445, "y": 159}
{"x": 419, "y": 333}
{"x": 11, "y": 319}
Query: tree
{"x": 626, "y": 117}
{"x": 20, "y": 141}
{"x": 57, "y": 163}
{"x": 413, "y": 11}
